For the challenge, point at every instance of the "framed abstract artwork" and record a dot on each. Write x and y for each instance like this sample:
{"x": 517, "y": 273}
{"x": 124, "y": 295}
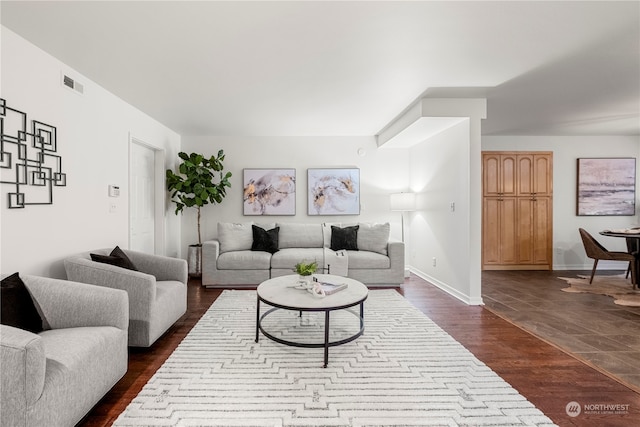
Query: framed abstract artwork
{"x": 269, "y": 191}
{"x": 606, "y": 186}
{"x": 333, "y": 191}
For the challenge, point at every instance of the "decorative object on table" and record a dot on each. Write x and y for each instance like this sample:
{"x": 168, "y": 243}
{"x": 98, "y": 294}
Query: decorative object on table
{"x": 28, "y": 159}
{"x": 606, "y": 186}
{"x": 329, "y": 288}
{"x": 615, "y": 286}
{"x": 197, "y": 185}
{"x": 269, "y": 192}
{"x": 333, "y": 191}
{"x": 305, "y": 270}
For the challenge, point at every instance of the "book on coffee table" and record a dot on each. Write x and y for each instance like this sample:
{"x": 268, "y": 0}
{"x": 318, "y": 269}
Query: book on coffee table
{"x": 332, "y": 288}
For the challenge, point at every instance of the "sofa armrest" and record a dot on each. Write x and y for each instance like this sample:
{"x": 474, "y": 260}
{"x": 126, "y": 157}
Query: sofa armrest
{"x": 22, "y": 373}
{"x": 210, "y": 254}
{"x": 162, "y": 267}
{"x": 395, "y": 251}
{"x": 65, "y": 304}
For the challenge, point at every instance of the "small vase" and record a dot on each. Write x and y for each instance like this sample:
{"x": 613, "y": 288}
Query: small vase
{"x": 304, "y": 280}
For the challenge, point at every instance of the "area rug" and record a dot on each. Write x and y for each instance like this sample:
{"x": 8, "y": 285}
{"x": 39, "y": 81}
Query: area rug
{"x": 403, "y": 371}
{"x": 616, "y": 286}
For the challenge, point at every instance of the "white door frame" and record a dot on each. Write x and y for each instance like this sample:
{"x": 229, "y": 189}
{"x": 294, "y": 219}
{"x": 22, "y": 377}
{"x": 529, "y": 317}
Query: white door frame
{"x": 159, "y": 193}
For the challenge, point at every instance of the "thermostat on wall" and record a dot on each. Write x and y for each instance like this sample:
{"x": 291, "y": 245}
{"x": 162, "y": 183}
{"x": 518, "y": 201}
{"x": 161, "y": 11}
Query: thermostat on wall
{"x": 114, "y": 191}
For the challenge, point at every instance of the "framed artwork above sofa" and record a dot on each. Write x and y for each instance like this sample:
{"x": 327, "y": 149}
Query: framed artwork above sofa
{"x": 333, "y": 191}
{"x": 269, "y": 192}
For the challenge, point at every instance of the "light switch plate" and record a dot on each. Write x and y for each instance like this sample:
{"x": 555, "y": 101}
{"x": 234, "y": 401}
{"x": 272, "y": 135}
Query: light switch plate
{"x": 114, "y": 191}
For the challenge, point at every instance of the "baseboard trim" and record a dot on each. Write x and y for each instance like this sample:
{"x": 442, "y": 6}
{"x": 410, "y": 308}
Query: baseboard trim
{"x": 447, "y": 288}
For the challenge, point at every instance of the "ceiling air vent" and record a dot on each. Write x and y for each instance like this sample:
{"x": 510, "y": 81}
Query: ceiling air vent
{"x": 72, "y": 84}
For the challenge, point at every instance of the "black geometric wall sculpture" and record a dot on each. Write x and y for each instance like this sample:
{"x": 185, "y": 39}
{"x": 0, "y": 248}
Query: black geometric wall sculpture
{"x": 28, "y": 163}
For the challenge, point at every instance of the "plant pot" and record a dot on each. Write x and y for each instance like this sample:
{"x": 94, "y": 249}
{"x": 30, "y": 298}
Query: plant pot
{"x": 194, "y": 260}
{"x": 304, "y": 280}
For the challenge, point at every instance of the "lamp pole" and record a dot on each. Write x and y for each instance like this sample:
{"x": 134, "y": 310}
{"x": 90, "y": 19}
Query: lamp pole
{"x": 403, "y": 202}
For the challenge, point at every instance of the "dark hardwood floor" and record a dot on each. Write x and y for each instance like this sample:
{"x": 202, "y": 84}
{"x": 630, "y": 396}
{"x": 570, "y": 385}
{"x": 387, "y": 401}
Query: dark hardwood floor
{"x": 547, "y": 376}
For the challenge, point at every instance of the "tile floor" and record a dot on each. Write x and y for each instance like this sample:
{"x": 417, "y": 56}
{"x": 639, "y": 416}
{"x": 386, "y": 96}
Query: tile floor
{"x": 590, "y": 327}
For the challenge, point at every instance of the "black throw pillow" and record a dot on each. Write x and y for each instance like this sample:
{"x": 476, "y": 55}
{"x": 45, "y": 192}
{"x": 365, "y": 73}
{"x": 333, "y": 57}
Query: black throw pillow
{"x": 265, "y": 240}
{"x": 108, "y": 259}
{"x": 117, "y": 252}
{"x": 18, "y": 309}
{"x": 117, "y": 257}
{"x": 344, "y": 238}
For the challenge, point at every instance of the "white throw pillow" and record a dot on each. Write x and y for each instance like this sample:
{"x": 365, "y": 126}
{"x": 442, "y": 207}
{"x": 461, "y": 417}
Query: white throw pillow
{"x": 235, "y": 236}
{"x": 373, "y": 237}
{"x": 326, "y": 233}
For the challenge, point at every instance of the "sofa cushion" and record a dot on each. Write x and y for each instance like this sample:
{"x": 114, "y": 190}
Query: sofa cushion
{"x": 373, "y": 237}
{"x": 235, "y": 236}
{"x": 289, "y": 257}
{"x": 244, "y": 260}
{"x": 367, "y": 260}
{"x": 300, "y": 235}
{"x": 344, "y": 238}
{"x": 18, "y": 309}
{"x": 265, "y": 240}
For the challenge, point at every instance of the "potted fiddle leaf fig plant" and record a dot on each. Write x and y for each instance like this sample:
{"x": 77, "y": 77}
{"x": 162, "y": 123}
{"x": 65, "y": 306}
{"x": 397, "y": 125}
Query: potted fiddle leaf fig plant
{"x": 200, "y": 181}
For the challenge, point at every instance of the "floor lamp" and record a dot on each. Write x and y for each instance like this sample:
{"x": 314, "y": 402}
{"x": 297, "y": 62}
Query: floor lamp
{"x": 403, "y": 202}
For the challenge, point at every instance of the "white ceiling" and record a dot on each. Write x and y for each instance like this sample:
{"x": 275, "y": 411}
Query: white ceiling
{"x": 348, "y": 68}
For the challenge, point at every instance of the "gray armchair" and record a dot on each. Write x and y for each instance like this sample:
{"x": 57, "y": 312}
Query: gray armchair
{"x": 55, "y": 377}
{"x": 157, "y": 292}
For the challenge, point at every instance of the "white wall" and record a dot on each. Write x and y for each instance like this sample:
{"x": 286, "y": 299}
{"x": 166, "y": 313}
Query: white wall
{"x": 381, "y": 172}
{"x": 568, "y": 251}
{"x": 440, "y": 175}
{"x": 93, "y": 140}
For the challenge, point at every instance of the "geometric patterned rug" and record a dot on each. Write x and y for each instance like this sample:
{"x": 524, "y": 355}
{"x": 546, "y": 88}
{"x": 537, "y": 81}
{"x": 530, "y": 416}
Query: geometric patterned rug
{"x": 618, "y": 287}
{"x": 403, "y": 371}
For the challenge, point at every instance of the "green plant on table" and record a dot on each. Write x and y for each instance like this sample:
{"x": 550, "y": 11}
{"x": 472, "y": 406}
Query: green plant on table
{"x": 306, "y": 269}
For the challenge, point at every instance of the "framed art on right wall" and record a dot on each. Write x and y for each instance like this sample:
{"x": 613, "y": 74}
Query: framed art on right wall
{"x": 606, "y": 186}
{"x": 333, "y": 191}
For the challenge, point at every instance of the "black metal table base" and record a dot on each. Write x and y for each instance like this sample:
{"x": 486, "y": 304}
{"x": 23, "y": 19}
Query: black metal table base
{"x": 326, "y": 344}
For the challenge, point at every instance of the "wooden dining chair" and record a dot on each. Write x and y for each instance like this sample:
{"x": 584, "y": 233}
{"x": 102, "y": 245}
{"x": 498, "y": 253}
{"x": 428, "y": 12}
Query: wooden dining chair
{"x": 597, "y": 252}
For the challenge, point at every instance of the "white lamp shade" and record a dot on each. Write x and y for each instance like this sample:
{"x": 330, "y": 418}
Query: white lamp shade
{"x": 403, "y": 202}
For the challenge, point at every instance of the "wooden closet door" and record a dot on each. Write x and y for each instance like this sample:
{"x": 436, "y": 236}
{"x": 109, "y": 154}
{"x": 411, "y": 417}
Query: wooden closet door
{"x": 517, "y": 210}
{"x": 499, "y": 233}
{"x": 526, "y": 230}
{"x": 542, "y": 239}
{"x": 499, "y": 175}
{"x": 543, "y": 174}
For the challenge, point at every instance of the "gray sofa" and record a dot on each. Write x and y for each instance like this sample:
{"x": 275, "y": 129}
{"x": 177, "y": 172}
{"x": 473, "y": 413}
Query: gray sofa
{"x": 157, "y": 292}
{"x": 55, "y": 377}
{"x": 229, "y": 260}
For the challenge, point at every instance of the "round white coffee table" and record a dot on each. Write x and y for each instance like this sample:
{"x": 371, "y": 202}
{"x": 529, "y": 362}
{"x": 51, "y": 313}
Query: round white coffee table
{"x": 281, "y": 293}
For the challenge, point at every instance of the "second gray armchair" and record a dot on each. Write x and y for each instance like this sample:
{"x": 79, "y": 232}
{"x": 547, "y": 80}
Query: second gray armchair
{"x": 157, "y": 291}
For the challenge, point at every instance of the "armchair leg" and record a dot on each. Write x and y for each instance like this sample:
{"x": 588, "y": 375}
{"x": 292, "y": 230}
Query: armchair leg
{"x": 593, "y": 270}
